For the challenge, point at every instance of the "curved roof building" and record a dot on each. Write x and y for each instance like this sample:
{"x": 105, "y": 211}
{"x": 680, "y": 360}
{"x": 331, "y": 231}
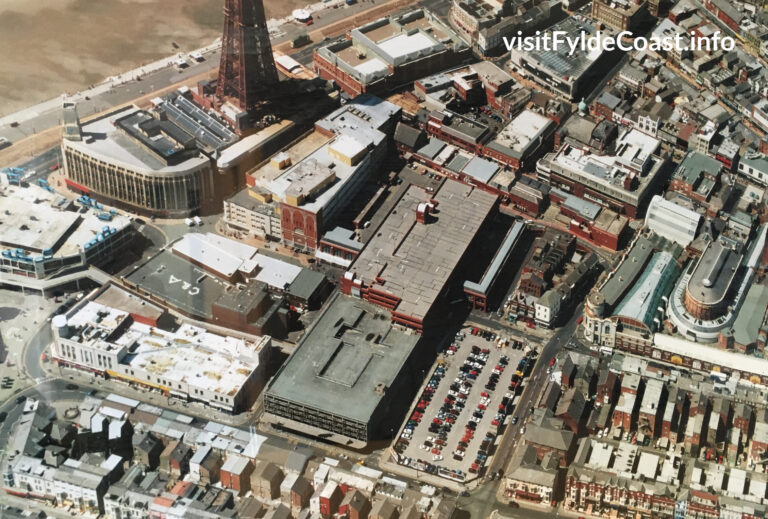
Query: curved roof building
{"x": 709, "y": 295}
{"x": 711, "y": 281}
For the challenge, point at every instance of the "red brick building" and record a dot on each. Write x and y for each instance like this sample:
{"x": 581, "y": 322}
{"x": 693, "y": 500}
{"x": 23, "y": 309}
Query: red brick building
{"x": 236, "y": 474}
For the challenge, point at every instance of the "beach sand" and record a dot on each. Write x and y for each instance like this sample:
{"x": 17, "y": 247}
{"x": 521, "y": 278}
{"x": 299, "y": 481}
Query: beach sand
{"x": 50, "y": 47}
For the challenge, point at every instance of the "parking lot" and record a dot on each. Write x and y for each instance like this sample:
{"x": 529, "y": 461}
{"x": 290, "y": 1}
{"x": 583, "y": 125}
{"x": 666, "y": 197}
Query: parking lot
{"x": 452, "y": 427}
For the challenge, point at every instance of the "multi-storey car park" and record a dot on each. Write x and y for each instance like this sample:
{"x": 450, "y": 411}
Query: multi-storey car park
{"x": 349, "y": 378}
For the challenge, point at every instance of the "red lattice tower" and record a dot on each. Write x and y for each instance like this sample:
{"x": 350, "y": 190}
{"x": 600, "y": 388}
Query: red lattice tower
{"x": 247, "y": 68}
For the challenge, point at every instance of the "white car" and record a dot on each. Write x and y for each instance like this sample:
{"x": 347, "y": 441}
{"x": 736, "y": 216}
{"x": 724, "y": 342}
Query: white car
{"x": 437, "y": 458}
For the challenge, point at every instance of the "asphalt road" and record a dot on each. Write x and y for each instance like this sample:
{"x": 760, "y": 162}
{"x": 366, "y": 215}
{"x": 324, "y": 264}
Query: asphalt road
{"x": 151, "y": 81}
{"x": 34, "y": 350}
{"x": 40, "y": 165}
{"x": 534, "y": 384}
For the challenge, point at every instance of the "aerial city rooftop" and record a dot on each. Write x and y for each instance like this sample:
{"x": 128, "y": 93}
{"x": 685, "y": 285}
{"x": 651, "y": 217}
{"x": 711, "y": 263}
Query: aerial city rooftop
{"x": 373, "y": 261}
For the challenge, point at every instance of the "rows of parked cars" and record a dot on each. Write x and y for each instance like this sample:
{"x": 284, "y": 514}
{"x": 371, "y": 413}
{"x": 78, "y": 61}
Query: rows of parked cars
{"x": 431, "y": 444}
{"x": 455, "y": 411}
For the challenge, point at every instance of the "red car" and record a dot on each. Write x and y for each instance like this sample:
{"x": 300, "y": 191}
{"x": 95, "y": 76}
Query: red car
{"x": 486, "y": 351}
{"x": 484, "y": 394}
{"x": 450, "y": 420}
{"x": 481, "y": 407}
{"x": 435, "y": 451}
{"x": 552, "y": 362}
{"x": 438, "y": 421}
{"x": 494, "y": 422}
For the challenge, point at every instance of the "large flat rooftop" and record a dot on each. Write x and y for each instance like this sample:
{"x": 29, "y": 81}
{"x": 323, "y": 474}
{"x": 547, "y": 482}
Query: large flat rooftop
{"x": 189, "y": 355}
{"x": 560, "y": 63}
{"x": 351, "y": 350}
{"x": 635, "y": 156}
{"x": 32, "y": 218}
{"x": 376, "y": 47}
{"x": 103, "y": 138}
{"x": 522, "y": 133}
{"x": 318, "y": 178}
{"x": 413, "y": 261}
{"x": 180, "y": 283}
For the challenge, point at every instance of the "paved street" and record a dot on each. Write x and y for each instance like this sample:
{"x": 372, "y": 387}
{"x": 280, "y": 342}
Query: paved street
{"x": 47, "y": 115}
{"x": 535, "y": 384}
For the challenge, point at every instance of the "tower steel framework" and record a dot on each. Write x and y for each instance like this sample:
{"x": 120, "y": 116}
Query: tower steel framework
{"x": 247, "y": 68}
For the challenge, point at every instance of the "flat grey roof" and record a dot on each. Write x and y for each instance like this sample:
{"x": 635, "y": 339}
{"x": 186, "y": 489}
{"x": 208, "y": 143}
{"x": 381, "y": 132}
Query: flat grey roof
{"x": 115, "y": 297}
{"x": 343, "y": 237}
{"x": 480, "y": 169}
{"x": 694, "y": 164}
{"x": 461, "y": 127}
{"x": 350, "y": 350}
{"x": 306, "y": 284}
{"x": 432, "y": 148}
{"x": 34, "y": 226}
{"x": 178, "y": 282}
{"x": 413, "y": 261}
{"x": 587, "y": 209}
